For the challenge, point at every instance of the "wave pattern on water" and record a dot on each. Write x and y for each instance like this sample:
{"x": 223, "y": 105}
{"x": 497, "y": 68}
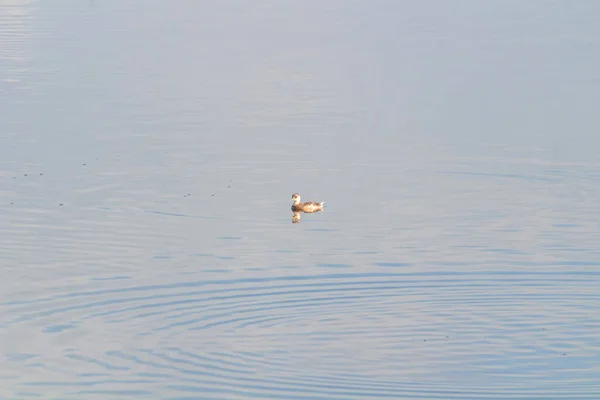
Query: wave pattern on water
{"x": 312, "y": 336}
{"x": 148, "y": 154}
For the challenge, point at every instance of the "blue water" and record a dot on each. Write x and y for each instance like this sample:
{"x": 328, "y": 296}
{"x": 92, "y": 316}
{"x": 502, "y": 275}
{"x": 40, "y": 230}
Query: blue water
{"x": 149, "y": 151}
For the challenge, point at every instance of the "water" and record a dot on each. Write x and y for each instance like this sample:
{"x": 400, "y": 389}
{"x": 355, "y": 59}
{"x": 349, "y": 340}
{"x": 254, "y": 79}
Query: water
{"x": 149, "y": 151}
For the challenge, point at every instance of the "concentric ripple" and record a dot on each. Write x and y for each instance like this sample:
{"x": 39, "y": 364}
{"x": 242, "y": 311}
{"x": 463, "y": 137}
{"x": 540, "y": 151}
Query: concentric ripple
{"x": 312, "y": 336}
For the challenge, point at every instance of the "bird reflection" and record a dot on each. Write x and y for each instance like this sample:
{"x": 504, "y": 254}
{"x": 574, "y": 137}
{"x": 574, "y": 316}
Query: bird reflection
{"x": 295, "y": 217}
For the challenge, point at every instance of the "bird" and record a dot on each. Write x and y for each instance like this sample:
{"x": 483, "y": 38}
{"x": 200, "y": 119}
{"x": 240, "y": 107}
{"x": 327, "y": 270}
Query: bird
{"x": 308, "y": 207}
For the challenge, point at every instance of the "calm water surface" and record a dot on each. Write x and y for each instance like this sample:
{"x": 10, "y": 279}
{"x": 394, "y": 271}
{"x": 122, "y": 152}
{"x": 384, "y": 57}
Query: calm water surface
{"x": 149, "y": 151}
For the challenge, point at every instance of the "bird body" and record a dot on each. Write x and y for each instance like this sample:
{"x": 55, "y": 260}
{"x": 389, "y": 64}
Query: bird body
{"x": 307, "y": 207}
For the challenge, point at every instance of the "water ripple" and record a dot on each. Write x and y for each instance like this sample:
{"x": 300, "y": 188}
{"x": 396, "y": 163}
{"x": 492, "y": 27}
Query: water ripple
{"x": 269, "y": 337}
{"x": 147, "y": 152}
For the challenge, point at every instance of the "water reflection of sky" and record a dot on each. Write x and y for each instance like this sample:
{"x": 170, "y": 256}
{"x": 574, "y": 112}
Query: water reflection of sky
{"x": 150, "y": 247}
